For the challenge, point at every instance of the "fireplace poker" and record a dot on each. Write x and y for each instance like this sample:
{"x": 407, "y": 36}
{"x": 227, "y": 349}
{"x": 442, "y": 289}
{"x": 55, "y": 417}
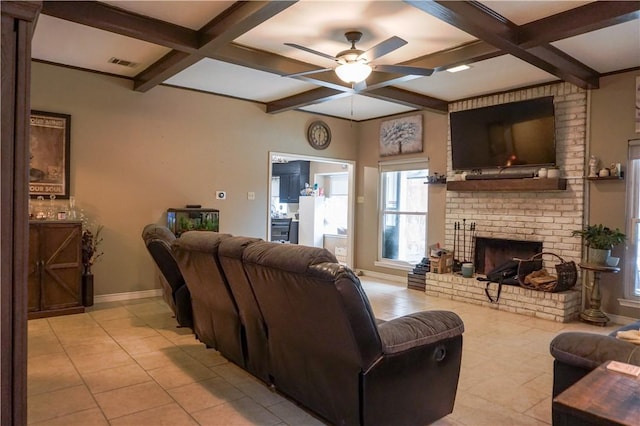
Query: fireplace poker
{"x": 464, "y": 239}
{"x": 472, "y": 234}
{"x": 455, "y": 237}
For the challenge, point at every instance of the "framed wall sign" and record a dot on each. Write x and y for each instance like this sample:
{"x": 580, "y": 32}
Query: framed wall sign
{"x": 49, "y": 154}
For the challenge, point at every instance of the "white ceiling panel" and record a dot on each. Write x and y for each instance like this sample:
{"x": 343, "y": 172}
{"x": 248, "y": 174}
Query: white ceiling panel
{"x": 67, "y": 43}
{"x": 492, "y": 75}
{"x": 357, "y": 108}
{"x": 522, "y": 12}
{"x": 320, "y": 25}
{"x": 190, "y": 14}
{"x": 606, "y": 50}
{"x": 227, "y": 79}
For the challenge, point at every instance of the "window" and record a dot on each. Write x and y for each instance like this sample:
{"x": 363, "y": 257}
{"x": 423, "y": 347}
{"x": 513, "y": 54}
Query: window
{"x": 337, "y": 203}
{"x": 632, "y": 257}
{"x": 403, "y": 213}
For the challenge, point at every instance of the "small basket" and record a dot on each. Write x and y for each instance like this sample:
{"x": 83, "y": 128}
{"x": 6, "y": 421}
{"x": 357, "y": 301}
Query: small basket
{"x": 566, "y": 271}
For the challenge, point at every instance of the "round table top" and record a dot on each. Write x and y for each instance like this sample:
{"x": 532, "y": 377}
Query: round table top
{"x": 599, "y": 268}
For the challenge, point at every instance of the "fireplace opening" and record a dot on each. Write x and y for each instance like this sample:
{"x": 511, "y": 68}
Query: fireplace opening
{"x": 492, "y": 252}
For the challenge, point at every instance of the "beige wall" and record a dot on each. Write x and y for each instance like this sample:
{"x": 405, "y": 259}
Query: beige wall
{"x": 133, "y": 155}
{"x": 435, "y": 129}
{"x": 612, "y": 125}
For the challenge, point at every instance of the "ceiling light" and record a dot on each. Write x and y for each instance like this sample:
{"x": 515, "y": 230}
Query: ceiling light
{"x": 353, "y": 72}
{"x": 458, "y": 68}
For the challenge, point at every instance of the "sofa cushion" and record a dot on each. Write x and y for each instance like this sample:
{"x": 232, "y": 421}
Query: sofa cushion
{"x": 589, "y": 350}
{"x": 418, "y": 329}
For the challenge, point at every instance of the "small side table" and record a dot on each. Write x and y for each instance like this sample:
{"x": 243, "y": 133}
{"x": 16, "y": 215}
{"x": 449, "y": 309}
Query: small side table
{"x": 593, "y": 314}
{"x": 602, "y": 397}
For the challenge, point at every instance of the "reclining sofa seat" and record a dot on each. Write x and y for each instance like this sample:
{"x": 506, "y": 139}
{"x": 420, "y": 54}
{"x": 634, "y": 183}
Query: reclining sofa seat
{"x": 328, "y": 353}
{"x": 158, "y": 240}
{"x": 215, "y": 315}
{"x": 254, "y": 331}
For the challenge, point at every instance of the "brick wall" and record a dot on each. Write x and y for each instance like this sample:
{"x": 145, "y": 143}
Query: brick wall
{"x": 545, "y": 216}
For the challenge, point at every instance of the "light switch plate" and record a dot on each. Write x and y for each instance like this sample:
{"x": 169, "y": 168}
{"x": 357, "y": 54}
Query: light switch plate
{"x": 251, "y": 195}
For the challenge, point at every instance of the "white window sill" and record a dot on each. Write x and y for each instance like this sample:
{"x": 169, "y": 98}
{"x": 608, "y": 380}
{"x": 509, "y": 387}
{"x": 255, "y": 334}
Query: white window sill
{"x": 402, "y": 266}
{"x": 630, "y": 303}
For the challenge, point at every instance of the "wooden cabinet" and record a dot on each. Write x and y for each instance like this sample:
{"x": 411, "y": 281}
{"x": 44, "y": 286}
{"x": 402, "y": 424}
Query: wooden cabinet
{"x": 293, "y": 175}
{"x": 55, "y": 269}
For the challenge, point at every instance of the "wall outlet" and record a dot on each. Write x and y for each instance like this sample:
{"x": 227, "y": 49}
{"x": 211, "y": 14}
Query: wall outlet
{"x": 251, "y": 195}
{"x": 221, "y": 195}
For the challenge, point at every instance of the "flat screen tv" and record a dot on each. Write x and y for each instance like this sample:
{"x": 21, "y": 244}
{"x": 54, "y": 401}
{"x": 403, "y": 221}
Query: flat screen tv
{"x": 506, "y": 135}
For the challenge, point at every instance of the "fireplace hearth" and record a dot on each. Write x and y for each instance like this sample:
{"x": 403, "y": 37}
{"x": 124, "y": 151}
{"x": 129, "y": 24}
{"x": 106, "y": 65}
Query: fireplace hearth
{"x": 492, "y": 252}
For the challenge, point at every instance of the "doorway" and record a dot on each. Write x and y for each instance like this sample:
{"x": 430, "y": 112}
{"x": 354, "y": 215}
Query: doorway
{"x": 317, "y": 195}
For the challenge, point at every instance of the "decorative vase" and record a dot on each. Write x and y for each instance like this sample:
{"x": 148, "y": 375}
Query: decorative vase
{"x": 598, "y": 256}
{"x": 87, "y": 287}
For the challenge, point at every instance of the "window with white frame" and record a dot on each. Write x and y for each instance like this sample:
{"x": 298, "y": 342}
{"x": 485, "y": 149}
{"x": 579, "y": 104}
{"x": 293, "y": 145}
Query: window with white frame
{"x": 403, "y": 212}
{"x": 632, "y": 256}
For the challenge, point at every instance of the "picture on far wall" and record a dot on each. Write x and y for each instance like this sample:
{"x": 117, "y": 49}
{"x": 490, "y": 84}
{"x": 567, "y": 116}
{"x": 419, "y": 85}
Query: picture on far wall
{"x": 49, "y": 154}
{"x": 401, "y": 136}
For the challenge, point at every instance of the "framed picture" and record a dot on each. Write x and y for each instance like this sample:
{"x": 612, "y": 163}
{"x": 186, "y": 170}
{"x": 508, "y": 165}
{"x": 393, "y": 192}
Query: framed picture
{"x": 401, "y": 136}
{"x": 49, "y": 154}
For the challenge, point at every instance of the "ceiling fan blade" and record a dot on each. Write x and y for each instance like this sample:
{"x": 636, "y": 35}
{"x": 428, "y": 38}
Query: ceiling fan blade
{"x": 401, "y": 69}
{"x": 315, "y": 52}
{"x": 298, "y": 74}
{"x": 381, "y": 49}
{"x": 358, "y": 87}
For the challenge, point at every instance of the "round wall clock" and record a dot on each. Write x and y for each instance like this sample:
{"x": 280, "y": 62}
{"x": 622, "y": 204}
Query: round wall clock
{"x": 319, "y": 135}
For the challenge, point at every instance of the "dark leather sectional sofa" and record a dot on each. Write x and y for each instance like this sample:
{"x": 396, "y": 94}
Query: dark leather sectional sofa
{"x": 295, "y": 318}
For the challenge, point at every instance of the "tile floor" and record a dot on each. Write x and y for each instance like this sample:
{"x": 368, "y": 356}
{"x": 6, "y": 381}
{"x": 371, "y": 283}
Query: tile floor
{"x": 126, "y": 363}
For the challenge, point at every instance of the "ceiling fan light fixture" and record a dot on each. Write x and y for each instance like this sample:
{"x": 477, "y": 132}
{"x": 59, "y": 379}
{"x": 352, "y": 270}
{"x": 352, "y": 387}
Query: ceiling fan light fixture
{"x": 353, "y": 72}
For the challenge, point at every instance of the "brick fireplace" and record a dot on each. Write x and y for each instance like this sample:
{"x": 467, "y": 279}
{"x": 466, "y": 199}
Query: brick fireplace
{"x": 543, "y": 217}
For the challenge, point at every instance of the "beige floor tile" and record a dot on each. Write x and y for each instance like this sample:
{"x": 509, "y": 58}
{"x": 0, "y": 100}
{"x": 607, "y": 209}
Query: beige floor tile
{"x": 175, "y": 332}
{"x": 83, "y": 336}
{"x": 109, "y": 345}
{"x": 132, "y": 399}
{"x": 51, "y": 372}
{"x": 154, "y": 307}
{"x": 122, "y": 322}
{"x": 108, "y": 314}
{"x": 128, "y": 333}
{"x": 260, "y": 393}
{"x": 146, "y": 344}
{"x": 168, "y": 356}
{"x": 541, "y": 411}
{"x": 90, "y": 417}
{"x": 233, "y": 374}
{"x": 71, "y": 322}
{"x": 475, "y": 411}
{"x": 174, "y": 375}
{"x": 167, "y": 415}
{"x": 205, "y": 394}
{"x": 39, "y": 324}
{"x": 291, "y": 414}
{"x": 58, "y": 403}
{"x": 236, "y": 413}
{"x": 87, "y": 363}
{"x": 159, "y": 320}
{"x": 43, "y": 345}
{"x": 114, "y": 378}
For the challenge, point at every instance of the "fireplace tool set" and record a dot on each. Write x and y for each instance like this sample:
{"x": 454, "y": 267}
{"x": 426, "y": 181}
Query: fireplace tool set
{"x": 464, "y": 243}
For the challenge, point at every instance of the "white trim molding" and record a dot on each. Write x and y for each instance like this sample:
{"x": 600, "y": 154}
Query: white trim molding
{"x": 130, "y": 295}
{"x": 629, "y": 303}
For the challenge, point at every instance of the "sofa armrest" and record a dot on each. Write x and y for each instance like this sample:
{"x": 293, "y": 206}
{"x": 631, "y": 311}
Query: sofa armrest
{"x": 589, "y": 350}
{"x": 418, "y": 329}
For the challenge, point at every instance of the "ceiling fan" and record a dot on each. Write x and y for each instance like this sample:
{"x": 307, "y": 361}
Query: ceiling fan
{"x": 354, "y": 64}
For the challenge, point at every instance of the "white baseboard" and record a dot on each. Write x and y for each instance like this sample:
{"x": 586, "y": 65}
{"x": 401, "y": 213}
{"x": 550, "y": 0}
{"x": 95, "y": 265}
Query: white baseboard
{"x": 382, "y": 276}
{"x": 130, "y": 295}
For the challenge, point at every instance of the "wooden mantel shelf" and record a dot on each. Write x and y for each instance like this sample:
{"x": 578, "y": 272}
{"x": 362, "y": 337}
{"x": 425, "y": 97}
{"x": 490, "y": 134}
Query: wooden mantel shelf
{"x": 527, "y": 184}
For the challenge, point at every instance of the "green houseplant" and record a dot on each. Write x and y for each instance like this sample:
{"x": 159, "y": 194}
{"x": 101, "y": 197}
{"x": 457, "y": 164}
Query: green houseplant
{"x": 599, "y": 240}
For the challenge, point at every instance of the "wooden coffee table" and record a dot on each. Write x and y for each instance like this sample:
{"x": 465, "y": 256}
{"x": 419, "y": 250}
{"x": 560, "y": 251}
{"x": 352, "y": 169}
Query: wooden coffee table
{"x": 602, "y": 397}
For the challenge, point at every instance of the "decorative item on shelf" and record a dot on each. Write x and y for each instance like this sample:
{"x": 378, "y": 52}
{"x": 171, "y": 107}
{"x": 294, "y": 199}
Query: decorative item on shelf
{"x": 604, "y": 172}
{"x": 593, "y": 166}
{"x": 542, "y": 173}
{"x": 436, "y": 178}
{"x": 467, "y": 270}
{"x": 616, "y": 169}
{"x": 599, "y": 240}
{"x": 553, "y": 173}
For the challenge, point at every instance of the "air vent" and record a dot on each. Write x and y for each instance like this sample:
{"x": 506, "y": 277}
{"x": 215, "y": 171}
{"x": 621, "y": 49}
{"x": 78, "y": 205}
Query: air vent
{"x": 123, "y": 62}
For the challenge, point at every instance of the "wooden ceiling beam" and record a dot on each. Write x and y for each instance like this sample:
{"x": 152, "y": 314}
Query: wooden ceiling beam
{"x": 232, "y": 23}
{"x": 311, "y": 97}
{"x": 410, "y": 99}
{"x": 476, "y": 19}
{"x": 109, "y": 18}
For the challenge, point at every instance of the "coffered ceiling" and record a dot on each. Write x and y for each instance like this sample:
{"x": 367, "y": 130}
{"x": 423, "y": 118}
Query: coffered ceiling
{"x": 238, "y": 49}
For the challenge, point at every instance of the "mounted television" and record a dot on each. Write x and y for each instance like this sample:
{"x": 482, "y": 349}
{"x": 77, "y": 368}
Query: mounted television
{"x": 506, "y": 135}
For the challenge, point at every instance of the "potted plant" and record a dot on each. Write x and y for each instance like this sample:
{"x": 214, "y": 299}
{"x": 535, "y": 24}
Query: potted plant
{"x": 90, "y": 253}
{"x": 599, "y": 240}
